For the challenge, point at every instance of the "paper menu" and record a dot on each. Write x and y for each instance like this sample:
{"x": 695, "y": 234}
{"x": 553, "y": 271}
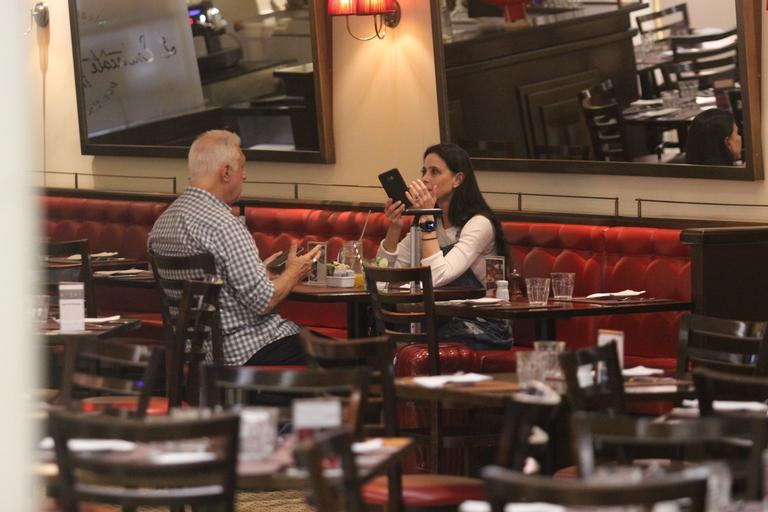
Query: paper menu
{"x": 71, "y": 307}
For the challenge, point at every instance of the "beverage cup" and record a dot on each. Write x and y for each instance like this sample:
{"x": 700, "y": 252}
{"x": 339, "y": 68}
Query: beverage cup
{"x": 670, "y": 98}
{"x": 562, "y": 285}
{"x": 258, "y": 432}
{"x": 538, "y": 290}
{"x": 40, "y": 310}
{"x": 530, "y": 366}
{"x": 551, "y": 351}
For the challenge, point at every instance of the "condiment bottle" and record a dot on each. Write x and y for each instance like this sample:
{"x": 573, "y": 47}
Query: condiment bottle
{"x": 516, "y": 284}
{"x": 502, "y": 289}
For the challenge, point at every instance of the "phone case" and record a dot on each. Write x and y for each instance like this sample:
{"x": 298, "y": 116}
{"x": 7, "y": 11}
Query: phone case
{"x": 395, "y": 186}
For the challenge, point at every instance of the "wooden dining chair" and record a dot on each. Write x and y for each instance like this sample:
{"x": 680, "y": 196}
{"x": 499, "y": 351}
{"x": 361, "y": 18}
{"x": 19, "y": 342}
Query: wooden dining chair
{"x": 406, "y": 317}
{"x": 132, "y": 372}
{"x": 206, "y": 481}
{"x": 600, "y": 440}
{"x": 665, "y": 22}
{"x": 231, "y": 386}
{"x": 82, "y": 273}
{"x": 418, "y": 491}
{"x": 603, "y": 116}
{"x": 331, "y": 494}
{"x": 507, "y": 486}
{"x": 731, "y": 346}
{"x": 593, "y": 379}
{"x": 713, "y": 385}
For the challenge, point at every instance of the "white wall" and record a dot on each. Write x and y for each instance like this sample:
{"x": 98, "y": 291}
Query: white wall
{"x": 385, "y": 113}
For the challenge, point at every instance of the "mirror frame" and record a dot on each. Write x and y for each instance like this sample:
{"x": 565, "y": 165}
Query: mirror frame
{"x": 748, "y": 16}
{"x": 320, "y": 37}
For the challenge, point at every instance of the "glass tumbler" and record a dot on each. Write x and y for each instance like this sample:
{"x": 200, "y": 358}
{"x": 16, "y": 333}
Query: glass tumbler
{"x": 550, "y": 351}
{"x": 530, "y": 366}
{"x": 562, "y": 285}
{"x": 538, "y": 290}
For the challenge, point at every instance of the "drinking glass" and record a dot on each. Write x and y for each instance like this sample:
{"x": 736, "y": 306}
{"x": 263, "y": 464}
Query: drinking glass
{"x": 530, "y": 366}
{"x": 670, "y": 98}
{"x": 550, "y": 351}
{"x": 562, "y": 285}
{"x": 538, "y": 290}
{"x": 351, "y": 254}
{"x": 40, "y": 310}
{"x": 258, "y": 432}
{"x": 688, "y": 89}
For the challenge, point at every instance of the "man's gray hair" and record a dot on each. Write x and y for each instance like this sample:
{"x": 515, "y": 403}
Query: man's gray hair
{"x": 211, "y": 150}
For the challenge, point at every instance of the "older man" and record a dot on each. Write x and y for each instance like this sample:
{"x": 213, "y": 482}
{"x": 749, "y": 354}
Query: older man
{"x": 201, "y": 221}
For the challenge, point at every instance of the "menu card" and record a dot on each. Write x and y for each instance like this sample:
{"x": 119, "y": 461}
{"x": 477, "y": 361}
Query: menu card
{"x": 319, "y": 269}
{"x": 71, "y": 307}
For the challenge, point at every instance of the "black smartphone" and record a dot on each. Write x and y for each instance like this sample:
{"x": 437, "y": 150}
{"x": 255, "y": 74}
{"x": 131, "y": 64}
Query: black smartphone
{"x": 395, "y": 186}
{"x": 278, "y": 262}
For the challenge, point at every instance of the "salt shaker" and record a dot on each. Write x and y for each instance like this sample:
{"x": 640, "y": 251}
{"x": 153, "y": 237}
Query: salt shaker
{"x": 502, "y": 289}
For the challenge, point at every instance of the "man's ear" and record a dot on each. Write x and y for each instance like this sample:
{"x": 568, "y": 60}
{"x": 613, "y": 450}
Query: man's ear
{"x": 224, "y": 173}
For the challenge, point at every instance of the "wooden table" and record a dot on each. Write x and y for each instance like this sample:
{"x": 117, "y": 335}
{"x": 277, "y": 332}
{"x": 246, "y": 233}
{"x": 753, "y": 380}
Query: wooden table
{"x": 546, "y": 316}
{"x": 53, "y": 336}
{"x": 492, "y": 393}
{"x": 358, "y": 301}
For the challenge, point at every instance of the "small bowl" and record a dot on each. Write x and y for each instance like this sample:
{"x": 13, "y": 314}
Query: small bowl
{"x": 341, "y": 281}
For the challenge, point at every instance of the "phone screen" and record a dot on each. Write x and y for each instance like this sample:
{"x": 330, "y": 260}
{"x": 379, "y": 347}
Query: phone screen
{"x": 395, "y": 186}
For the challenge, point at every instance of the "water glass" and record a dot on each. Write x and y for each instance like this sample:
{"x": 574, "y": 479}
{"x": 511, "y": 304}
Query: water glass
{"x": 40, "y": 310}
{"x": 530, "y": 366}
{"x": 670, "y": 98}
{"x": 258, "y": 432}
{"x": 562, "y": 285}
{"x": 538, "y": 290}
{"x": 688, "y": 89}
{"x": 551, "y": 351}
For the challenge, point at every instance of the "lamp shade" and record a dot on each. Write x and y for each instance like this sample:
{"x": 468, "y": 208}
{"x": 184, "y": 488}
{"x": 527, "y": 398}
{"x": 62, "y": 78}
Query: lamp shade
{"x": 341, "y": 7}
{"x": 365, "y": 7}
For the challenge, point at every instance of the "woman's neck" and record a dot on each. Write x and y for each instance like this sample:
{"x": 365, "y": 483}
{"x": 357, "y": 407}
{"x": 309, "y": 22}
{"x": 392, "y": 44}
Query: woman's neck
{"x": 444, "y": 205}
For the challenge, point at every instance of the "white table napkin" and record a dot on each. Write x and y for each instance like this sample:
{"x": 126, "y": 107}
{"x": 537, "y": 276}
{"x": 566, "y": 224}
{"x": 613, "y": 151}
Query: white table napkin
{"x": 371, "y": 445}
{"x": 182, "y": 457}
{"x": 123, "y": 272}
{"x": 484, "y": 506}
{"x": 102, "y": 319}
{"x": 619, "y": 295}
{"x": 91, "y": 445}
{"x": 641, "y": 371}
{"x": 731, "y": 405}
{"x": 438, "y": 381}
{"x": 105, "y": 254}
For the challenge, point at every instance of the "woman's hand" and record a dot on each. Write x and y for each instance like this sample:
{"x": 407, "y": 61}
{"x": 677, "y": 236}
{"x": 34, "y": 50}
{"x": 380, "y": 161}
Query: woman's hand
{"x": 394, "y": 212}
{"x": 421, "y": 196}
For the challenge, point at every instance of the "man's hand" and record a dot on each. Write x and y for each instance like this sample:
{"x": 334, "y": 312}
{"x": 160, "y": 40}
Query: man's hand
{"x": 269, "y": 260}
{"x": 300, "y": 266}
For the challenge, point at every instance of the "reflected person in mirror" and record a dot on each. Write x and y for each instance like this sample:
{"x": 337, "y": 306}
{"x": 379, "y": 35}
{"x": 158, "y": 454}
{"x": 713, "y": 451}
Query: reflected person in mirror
{"x": 199, "y": 221}
{"x": 455, "y": 244}
{"x": 714, "y": 139}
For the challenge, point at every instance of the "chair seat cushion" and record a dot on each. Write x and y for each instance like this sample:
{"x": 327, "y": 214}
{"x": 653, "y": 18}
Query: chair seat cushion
{"x": 158, "y": 405}
{"x": 426, "y": 490}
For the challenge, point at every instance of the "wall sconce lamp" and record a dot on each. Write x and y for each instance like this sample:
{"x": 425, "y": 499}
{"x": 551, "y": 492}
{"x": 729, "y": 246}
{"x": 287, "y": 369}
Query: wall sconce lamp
{"x": 386, "y": 13}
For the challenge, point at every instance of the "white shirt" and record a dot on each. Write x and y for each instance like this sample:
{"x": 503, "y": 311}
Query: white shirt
{"x": 477, "y": 240}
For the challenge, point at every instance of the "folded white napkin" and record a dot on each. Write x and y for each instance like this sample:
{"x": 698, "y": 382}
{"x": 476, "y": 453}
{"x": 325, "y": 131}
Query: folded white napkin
{"x": 484, "y": 506}
{"x": 102, "y": 319}
{"x": 481, "y": 300}
{"x": 91, "y": 445}
{"x": 371, "y": 445}
{"x": 182, "y": 457}
{"x": 641, "y": 371}
{"x": 105, "y": 254}
{"x": 123, "y": 272}
{"x": 620, "y": 295}
{"x": 731, "y": 405}
{"x": 641, "y": 103}
{"x": 438, "y": 381}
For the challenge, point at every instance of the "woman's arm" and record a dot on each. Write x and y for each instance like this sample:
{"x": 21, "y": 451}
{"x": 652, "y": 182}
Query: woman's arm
{"x": 476, "y": 237}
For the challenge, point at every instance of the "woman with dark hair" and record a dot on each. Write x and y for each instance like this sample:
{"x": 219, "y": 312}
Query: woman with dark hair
{"x": 713, "y": 139}
{"x": 456, "y": 243}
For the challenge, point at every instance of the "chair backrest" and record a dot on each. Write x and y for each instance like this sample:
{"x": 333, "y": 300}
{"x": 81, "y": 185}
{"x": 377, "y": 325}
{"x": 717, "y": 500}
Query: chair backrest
{"x": 733, "y": 346}
{"x": 593, "y": 378}
{"x": 708, "y": 57}
{"x": 506, "y": 486}
{"x": 81, "y": 273}
{"x": 523, "y": 412}
{"x": 100, "y": 366}
{"x": 250, "y": 385}
{"x": 604, "y": 122}
{"x": 331, "y": 494}
{"x": 670, "y": 21}
{"x": 406, "y": 317}
{"x": 144, "y": 480}
{"x": 712, "y": 385}
{"x": 561, "y": 152}
{"x": 380, "y": 414}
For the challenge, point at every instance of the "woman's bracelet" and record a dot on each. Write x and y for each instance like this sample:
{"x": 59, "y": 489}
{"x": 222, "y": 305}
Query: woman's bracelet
{"x": 428, "y": 239}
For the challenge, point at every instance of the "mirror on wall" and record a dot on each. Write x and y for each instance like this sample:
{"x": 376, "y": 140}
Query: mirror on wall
{"x": 153, "y": 74}
{"x": 599, "y": 87}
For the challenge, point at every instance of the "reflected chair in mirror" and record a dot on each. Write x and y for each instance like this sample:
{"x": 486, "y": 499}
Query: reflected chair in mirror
{"x": 59, "y": 270}
{"x": 230, "y": 386}
{"x": 666, "y": 22}
{"x": 593, "y": 379}
{"x": 561, "y": 152}
{"x": 731, "y": 346}
{"x": 422, "y": 490}
{"x": 603, "y": 441}
{"x": 206, "y": 481}
{"x": 506, "y": 486}
{"x": 189, "y": 298}
{"x": 707, "y": 64}
{"x": 340, "y": 494}
{"x": 94, "y": 367}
